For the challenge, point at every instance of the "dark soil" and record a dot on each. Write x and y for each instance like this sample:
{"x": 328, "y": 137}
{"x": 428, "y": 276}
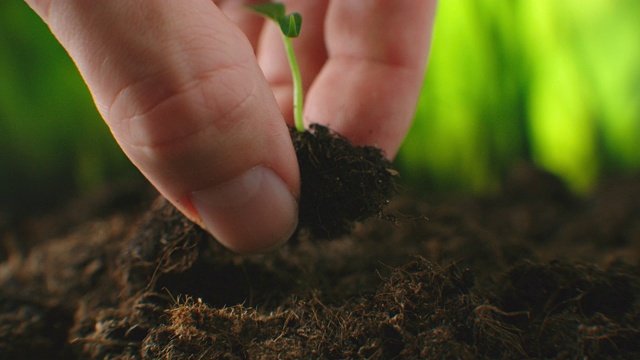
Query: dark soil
{"x": 531, "y": 273}
{"x": 341, "y": 183}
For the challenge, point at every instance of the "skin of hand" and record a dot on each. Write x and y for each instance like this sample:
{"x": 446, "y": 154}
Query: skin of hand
{"x": 194, "y": 92}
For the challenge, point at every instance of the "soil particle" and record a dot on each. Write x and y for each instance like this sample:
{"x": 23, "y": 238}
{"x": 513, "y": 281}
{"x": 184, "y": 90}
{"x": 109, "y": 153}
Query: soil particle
{"x": 341, "y": 183}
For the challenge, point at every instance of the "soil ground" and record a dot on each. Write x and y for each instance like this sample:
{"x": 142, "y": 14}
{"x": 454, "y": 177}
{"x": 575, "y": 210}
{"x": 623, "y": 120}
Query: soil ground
{"x": 533, "y": 272}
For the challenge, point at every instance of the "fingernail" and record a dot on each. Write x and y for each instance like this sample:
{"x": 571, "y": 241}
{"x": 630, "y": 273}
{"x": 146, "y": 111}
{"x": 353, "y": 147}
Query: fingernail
{"x": 252, "y": 213}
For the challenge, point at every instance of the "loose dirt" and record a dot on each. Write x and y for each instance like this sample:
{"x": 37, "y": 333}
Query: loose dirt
{"x": 532, "y": 272}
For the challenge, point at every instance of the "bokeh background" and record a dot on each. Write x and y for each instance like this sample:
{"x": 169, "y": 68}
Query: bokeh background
{"x": 555, "y": 82}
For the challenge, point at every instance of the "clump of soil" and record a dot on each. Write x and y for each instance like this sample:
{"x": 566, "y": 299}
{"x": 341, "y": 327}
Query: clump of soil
{"x": 531, "y": 273}
{"x": 341, "y": 183}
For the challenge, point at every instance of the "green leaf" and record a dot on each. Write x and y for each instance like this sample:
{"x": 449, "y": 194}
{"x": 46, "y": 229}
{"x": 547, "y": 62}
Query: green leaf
{"x": 291, "y": 24}
{"x": 273, "y": 11}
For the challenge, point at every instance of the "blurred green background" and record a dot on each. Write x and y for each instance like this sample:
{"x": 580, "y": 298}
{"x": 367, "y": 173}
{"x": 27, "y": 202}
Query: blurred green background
{"x": 556, "y": 82}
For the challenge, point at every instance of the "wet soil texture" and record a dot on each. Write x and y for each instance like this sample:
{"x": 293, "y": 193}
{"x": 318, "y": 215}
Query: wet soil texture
{"x": 531, "y": 273}
{"x": 341, "y": 184}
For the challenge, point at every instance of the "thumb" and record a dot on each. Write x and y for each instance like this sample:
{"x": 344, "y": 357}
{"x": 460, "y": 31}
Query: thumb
{"x": 179, "y": 86}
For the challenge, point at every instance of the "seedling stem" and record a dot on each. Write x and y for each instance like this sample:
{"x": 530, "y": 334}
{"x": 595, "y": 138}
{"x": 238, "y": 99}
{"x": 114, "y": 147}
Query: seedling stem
{"x": 290, "y": 25}
{"x": 298, "y": 96}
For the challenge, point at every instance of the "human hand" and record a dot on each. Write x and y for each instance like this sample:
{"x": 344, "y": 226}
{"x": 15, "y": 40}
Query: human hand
{"x": 178, "y": 84}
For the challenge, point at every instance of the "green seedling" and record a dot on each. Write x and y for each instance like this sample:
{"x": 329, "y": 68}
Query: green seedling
{"x": 290, "y": 25}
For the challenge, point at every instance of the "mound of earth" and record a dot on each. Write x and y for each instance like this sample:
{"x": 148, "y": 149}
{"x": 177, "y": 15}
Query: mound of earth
{"x": 531, "y": 273}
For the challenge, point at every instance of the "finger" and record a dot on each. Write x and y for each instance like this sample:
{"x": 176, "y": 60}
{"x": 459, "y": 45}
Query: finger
{"x": 377, "y": 51}
{"x": 309, "y": 48}
{"x": 180, "y": 89}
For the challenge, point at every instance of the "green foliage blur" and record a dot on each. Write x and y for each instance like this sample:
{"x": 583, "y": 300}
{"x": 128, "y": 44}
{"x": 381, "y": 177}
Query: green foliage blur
{"x": 556, "y": 82}
{"x": 553, "y": 81}
{"x": 54, "y": 143}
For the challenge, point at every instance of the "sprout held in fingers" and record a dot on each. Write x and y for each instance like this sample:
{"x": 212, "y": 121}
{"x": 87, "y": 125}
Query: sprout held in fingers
{"x": 290, "y": 25}
{"x": 340, "y": 184}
